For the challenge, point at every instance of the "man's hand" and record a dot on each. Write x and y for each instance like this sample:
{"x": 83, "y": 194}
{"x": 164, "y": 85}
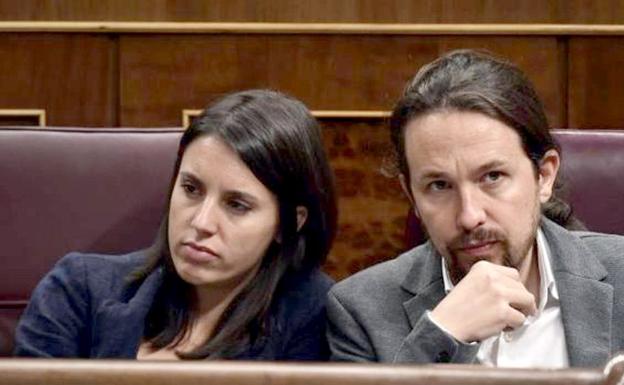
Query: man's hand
{"x": 489, "y": 299}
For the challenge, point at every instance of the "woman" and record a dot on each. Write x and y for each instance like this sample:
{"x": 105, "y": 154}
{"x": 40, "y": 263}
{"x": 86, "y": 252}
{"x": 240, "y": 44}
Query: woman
{"x": 234, "y": 270}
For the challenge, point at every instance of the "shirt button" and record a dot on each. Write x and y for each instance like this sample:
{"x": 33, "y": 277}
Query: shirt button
{"x": 443, "y": 357}
{"x": 508, "y": 337}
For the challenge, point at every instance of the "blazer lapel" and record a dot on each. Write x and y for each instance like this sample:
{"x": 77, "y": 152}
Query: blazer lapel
{"x": 586, "y": 300}
{"x": 118, "y": 324}
{"x": 424, "y": 283}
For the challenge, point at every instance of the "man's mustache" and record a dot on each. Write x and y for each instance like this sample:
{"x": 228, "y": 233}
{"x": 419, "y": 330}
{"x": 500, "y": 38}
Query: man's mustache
{"x": 475, "y": 237}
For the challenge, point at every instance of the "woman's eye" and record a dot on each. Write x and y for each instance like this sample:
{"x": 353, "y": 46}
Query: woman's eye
{"x": 189, "y": 188}
{"x": 238, "y": 206}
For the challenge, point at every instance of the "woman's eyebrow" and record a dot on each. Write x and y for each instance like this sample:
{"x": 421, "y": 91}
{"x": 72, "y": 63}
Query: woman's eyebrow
{"x": 238, "y": 194}
{"x": 189, "y": 176}
{"x": 234, "y": 193}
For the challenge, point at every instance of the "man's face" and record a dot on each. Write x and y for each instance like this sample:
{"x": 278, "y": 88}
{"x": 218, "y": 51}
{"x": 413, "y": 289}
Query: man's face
{"x": 474, "y": 188}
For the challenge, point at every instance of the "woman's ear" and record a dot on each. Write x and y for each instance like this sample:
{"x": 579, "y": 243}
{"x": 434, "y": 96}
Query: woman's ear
{"x": 302, "y": 216}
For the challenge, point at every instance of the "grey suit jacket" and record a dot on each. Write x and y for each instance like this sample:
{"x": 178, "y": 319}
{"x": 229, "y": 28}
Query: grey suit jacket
{"x": 379, "y": 314}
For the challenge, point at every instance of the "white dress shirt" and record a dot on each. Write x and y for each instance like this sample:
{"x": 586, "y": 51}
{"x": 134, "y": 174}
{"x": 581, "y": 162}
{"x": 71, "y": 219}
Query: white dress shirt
{"x": 540, "y": 341}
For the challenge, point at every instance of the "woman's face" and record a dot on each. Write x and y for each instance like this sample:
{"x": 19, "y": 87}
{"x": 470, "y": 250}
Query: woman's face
{"x": 222, "y": 218}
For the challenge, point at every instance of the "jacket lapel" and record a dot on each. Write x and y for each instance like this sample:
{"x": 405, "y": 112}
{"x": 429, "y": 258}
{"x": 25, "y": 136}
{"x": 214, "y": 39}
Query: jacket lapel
{"x": 424, "y": 283}
{"x": 586, "y": 300}
{"x": 119, "y": 324}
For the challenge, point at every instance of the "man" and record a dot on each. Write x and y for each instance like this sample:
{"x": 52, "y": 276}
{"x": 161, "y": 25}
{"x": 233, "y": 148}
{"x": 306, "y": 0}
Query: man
{"x": 502, "y": 280}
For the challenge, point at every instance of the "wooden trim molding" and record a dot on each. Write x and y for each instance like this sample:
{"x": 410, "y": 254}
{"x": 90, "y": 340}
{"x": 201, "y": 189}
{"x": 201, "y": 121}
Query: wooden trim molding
{"x": 38, "y": 114}
{"x": 77, "y": 372}
{"x": 311, "y": 28}
{"x": 188, "y": 114}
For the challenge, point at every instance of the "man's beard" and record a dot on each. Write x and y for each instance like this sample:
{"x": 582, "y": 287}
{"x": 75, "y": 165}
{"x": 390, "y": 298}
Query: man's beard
{"x": 511, "y": 256}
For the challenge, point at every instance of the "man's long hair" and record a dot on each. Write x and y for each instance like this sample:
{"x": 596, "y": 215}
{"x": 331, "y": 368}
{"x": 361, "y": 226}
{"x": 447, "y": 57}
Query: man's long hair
{"x": 467, "y": 80}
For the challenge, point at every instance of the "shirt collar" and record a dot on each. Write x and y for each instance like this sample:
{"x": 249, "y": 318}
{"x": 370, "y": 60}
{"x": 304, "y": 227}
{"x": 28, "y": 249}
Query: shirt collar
{"x": 547, "y": 279}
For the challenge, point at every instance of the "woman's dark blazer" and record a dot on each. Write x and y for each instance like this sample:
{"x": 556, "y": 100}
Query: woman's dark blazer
{"x": 85, "y": 308}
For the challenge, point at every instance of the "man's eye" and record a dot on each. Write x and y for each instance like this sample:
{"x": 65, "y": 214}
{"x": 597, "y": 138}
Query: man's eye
{"x": 438, "y": 185}
{"x": 492, "y": 176}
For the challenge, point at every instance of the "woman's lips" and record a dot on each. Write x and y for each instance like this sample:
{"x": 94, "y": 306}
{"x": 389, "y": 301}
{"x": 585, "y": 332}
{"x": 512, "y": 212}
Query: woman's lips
{"x": 198, "y": 253}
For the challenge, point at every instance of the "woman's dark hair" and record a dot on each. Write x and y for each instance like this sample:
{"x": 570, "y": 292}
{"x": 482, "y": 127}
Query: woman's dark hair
{"x": 278, "y": 139}
{"x": 467, "y": 80}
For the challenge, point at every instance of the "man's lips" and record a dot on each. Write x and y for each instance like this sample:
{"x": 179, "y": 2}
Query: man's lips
{"x": 198, "y": 252}
{"x": 476, "y": 248}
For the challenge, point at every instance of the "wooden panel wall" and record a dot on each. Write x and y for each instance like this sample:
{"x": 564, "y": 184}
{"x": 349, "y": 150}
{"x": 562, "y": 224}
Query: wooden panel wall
{"x": 71, "y": 76}
{"x": 147, "y": 79}
{"x": 328, "y": 72}
{"x": 327, "y": 11}
{"x": 596, "y": 82}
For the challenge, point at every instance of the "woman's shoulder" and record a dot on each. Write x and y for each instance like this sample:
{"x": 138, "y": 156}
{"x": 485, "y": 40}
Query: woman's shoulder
{"x": 104, "y": 273}
{"x": 304, "y": 291}
{"x": 94, "y": 264}
{"x": 304, "y": 283}
{"x": 298, "y": 314}
{"x": 58, "y": 318}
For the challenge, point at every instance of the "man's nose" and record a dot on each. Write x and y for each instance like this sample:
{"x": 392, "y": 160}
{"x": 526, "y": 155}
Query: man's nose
{"x": 205, "y": 217}
{"x": 471, "y": 211}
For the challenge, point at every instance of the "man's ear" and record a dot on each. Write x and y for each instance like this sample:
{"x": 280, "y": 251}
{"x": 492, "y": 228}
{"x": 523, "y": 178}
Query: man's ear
{"x": 548, "y": 169}
{"x": 408, "y": 193}
{"x": 302, "y": 216}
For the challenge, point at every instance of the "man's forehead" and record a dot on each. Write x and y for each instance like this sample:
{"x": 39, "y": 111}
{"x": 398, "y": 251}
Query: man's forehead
{"x": 465, "y": 125}
{"x": 435, "y": 140}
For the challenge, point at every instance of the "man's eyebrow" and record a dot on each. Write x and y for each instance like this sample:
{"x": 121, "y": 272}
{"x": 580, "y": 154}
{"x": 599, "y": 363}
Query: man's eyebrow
{"x": 432, "y": 174}
{"x": 497, "y": 163}
{"x": 435, "y": 174}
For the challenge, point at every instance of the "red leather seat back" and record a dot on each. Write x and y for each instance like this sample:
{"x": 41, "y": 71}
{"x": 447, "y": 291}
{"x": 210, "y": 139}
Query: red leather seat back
{"x": 90, "y": 190}
{"x": 104, "y": 190}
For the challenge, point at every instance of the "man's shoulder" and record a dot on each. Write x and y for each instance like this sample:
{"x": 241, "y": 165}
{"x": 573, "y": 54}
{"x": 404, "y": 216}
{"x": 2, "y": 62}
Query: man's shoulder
{"x": 601, "y": 239}
{"x": 601, "y": 245}
{"x": 604, "y": 246}
{"x": 382, "y": 278}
